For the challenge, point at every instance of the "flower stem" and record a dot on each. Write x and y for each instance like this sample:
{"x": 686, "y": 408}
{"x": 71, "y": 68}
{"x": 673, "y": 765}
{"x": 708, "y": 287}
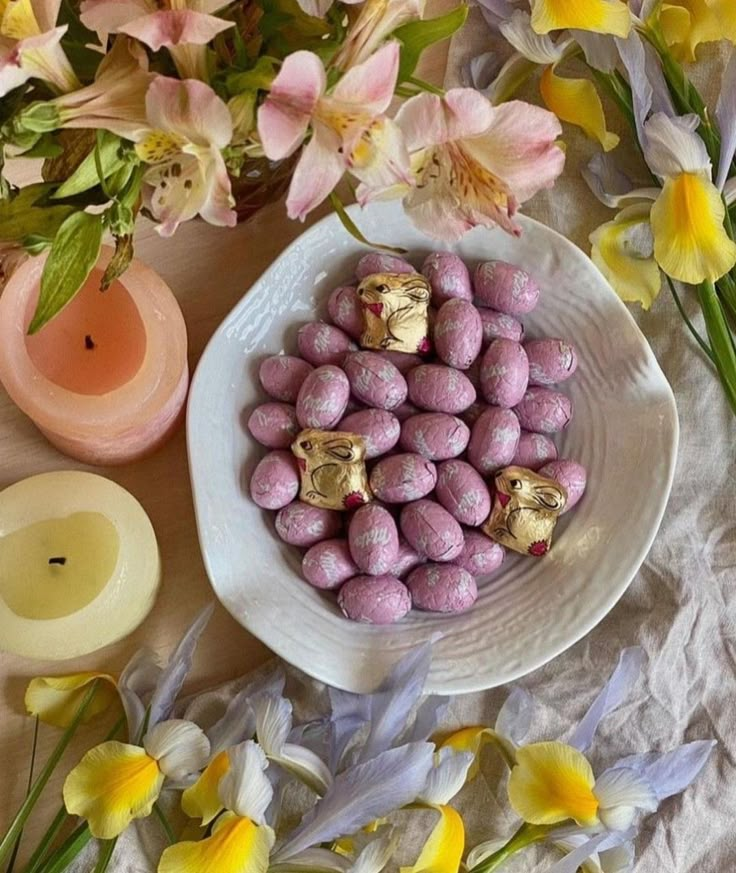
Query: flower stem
{"x": 34, "y": 747}
{"x": 426, "y": 86}
{"x": 68, "y": 850}
{"x": 106, "y": 852}
{"x": 721, "y": 340}
{"x": 527, "y": 835}
{"x": 691, "y": 327}
{"x": 164, "y": 824}
{"x": 13, "y": 832}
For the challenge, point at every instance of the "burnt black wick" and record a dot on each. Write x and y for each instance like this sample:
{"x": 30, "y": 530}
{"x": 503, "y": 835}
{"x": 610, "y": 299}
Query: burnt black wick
{"x": 89, "y": 343}
{"x": 60, "y": 561}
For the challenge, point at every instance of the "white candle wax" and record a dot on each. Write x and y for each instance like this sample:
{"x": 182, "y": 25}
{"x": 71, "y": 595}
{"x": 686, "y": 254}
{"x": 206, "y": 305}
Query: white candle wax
{"x": 79, "y": 565}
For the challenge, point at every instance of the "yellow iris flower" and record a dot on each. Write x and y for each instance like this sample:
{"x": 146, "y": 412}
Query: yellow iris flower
{"x": 688, "y": 23}
{"x": 599, "y": 16}
{"x": 623, "y": 250}
{"x": 237, "y": 845}
{"x": 115, "y": 783}
{"x": 443, "y": 850}
{"x": 202, "y": 800}
{"x": 55, "y": 700}
{"x": 240, "y": 841}
{"x": 551, "y": 783}
{"x": 575, "y": 101}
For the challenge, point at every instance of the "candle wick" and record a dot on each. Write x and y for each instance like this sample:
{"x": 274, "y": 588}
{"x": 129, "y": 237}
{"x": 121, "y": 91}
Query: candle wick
{"x": 89, "y": 343}
{"x": 61, "y": 561}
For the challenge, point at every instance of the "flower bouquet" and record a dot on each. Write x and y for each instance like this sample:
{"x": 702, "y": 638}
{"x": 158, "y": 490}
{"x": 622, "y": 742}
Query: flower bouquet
{"x": 162, "y": 108}
{"x": 677, "y": 220}
{"x": 252, "y": 789}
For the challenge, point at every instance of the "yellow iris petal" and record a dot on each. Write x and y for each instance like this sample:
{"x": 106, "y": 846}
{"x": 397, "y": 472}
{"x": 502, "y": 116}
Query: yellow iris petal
{"x": 599, "y": 16}
{"x": 113, "y": 784}
{"x": 237, "y": 845}
{"x": 468, "y": 739}
{"x": 56, "y": 699}
{"x": 633, "y": 273}
{"x": 443, "y": 850}
{"x": 553, "y": 782}
{"x": 688, "y": 23}
{"x": 690, "y": 241}
{"x": 19, "y": 21}
{"x": 202, "y": 800}
{"x": 577, "y": 102}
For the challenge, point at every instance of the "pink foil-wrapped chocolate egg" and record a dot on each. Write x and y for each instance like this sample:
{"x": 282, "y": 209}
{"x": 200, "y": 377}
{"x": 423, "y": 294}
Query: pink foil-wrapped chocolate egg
{"x": 504, "y": 373}
{"x": 379, "y": 428}
{"x": 283, "y": 375}
{"x": 458, "y": 334}
{"x": 403, "y": 361}
{"x": 345, "y": 310}
{"x": 442, "y": 588}
{"x": 407, "y": 559}
{"x": 328, "y": 565}
{"x": 403, "y": 478}
{"x": 373, "y": 539}
{"x": 431, "y": 530}
{"x": 300, "y": 524}
{"x": 534, "y": 450}
{"x": 543, "y": 410}
{"x": 274, "y": 425}
{"x": 550, "y": 361}
{"x": 374, "y": 380}
{"x": 321, "y": 344}
{"x": 571, "y": 475}
{"x": 375, "y": 262}
{"x": 448, "y": 277}
{"x": 463, "y": 493}
{"x": 505, "y": 288}
{"x": 493, "y": 440}
{"x": 275, "y": 480}
{"x": 498, "y": 325}
{"x": 374, "y": 599}
{"x": 480, "y": 555}
{"x": 322, "y": 398}
{"x": 437, "y": 388}
{"x": 435, "y": 435}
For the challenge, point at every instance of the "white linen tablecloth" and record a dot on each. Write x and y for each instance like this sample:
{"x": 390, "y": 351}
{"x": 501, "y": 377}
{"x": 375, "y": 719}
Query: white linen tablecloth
{"x": 679, "y": 608}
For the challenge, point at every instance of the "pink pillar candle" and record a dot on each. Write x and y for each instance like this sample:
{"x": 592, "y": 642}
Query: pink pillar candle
{"x": 106, "y": 380}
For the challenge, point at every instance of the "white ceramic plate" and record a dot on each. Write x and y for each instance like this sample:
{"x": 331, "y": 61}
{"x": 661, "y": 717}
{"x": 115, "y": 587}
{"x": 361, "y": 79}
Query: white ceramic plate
{"x": 625, "y": 432}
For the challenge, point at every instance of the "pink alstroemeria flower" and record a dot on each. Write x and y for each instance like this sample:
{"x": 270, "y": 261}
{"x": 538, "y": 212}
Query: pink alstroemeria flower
{"x": 29, "y": 46}
{"x": 349, "y": 129}
{"x": 184, "y": 27}
{"x": 474, "y": 162}
{"x": 189, "y": 125}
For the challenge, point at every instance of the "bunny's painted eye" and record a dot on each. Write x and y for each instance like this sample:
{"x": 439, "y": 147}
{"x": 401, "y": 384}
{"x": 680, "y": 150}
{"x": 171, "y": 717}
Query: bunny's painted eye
{"x": 306, "y": 445}
{"x": 516, "y": 484}
{"x": 382, "y": 289}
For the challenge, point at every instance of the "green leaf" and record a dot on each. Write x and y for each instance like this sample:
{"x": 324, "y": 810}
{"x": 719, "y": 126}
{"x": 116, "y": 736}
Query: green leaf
{"x": 260, "y": 77}
{"x": 86, "y": 175}
{"x": 46, "y": 147}
{"x": 721, "y": 340}
{"x": 416, "y": 36}
{"x": 74, "y": 252}
{"x": 352, "y": 228}
{"x": 16, "y": 826}
{"x": 107, "y": 847}
{"x": 21, "y": 218}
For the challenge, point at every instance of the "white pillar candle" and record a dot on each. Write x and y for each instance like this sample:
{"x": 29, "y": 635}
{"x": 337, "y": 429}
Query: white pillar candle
{"x": 79, "y": 565}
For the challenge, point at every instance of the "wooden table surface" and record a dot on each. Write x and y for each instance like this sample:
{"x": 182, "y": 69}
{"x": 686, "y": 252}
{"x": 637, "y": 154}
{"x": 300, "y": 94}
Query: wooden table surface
{"x": 209, "y": 269}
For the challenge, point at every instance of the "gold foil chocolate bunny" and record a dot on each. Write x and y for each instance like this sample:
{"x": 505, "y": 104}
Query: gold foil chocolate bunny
{"x": 395, "y": 312}
{"x": 332, "y": 469}
{"x": 525, "y": 511}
